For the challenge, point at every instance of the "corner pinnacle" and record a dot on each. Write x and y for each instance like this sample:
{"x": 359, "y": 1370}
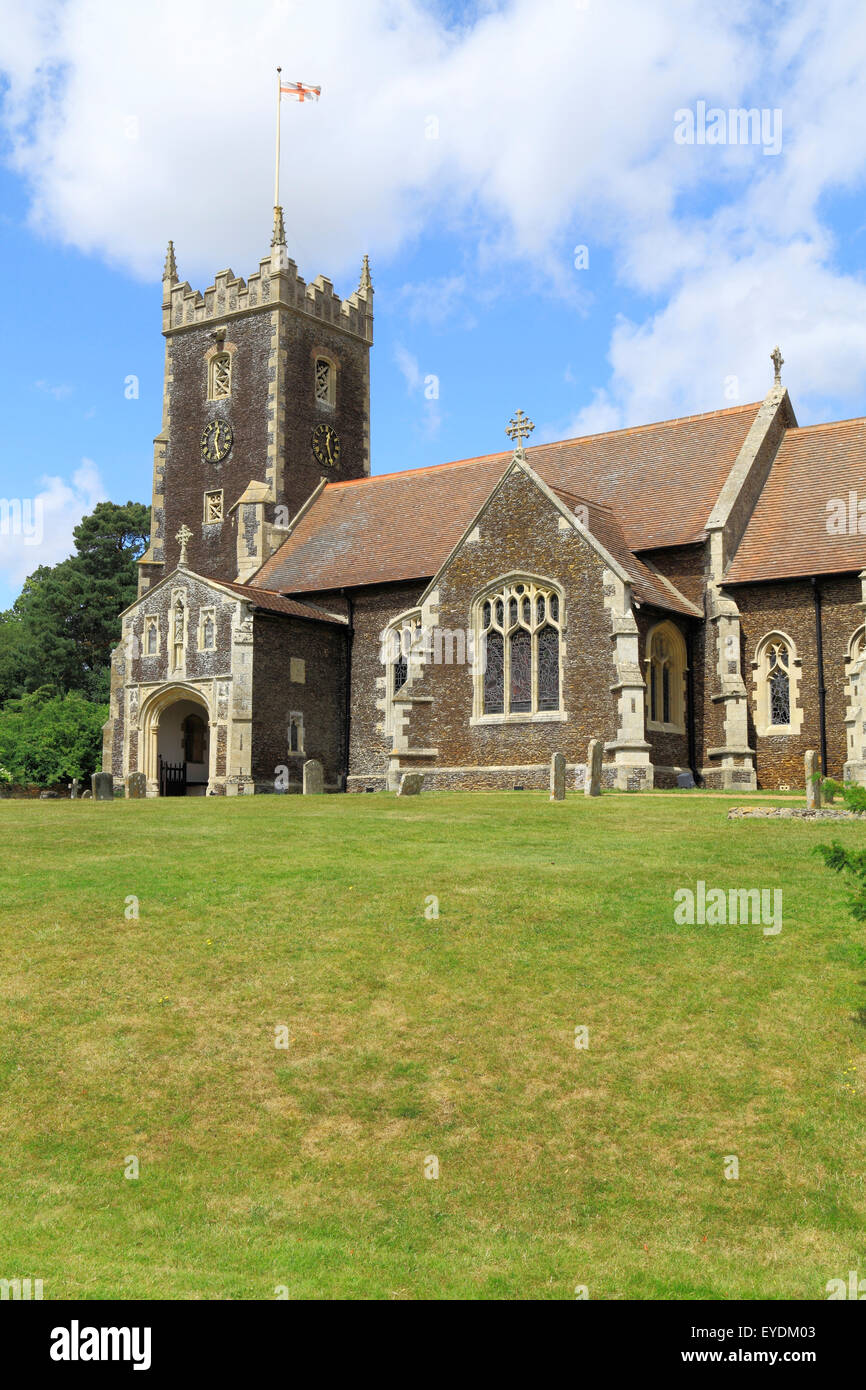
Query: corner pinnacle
{"x": 169, "y": 271}
{"x": 366, "y": 284}
{"x": 279, "y": 236}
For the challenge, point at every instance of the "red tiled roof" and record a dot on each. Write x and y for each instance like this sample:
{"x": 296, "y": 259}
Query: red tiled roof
{"x": 662, "y": 481}
{"x": 787, "y": 535}
{"x": 278, "y": 603}
{"x": 604, "y": 526}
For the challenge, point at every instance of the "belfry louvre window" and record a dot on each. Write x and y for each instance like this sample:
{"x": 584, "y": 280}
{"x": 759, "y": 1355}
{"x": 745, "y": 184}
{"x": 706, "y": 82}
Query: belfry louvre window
{"x": 324, "y": 381}
{"x": 220, "y": 377}
{"x": 213, "y": 506}
{"x": 520, "y": 643}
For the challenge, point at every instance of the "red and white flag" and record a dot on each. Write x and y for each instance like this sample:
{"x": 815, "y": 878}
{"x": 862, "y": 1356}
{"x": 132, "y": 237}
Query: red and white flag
{"x": 300, "y": 91}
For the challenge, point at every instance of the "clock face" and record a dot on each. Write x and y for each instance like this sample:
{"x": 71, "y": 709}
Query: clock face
{"x": 326, "y": 445}
{"x": 216, "y": 440}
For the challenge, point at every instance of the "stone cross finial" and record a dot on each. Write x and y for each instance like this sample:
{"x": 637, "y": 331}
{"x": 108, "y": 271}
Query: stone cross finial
{"x": 520, "y": 427}
{"x": 184, "y": 535}
{"x": 777, "y": 360}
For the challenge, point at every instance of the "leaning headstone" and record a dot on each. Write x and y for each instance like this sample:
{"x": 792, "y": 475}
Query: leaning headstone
{"x": 557, "y": 777}
{"x": 102, "y": 784}
{"x": 592, "y": 785}
{"x": 685, "y": 779}
{"x": 410, "y": 784}
{"x": 314, "y": 778}
{"x": 136, "y": 785}
{"x": 75, "y": 789}
{"x": 813, "y": 789}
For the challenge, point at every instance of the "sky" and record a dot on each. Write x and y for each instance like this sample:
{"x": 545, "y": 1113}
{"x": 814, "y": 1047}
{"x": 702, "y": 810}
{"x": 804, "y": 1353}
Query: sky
{"x": 561, "y": 215}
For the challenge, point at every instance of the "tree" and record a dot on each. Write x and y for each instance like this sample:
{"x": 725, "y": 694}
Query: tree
{"x": 45, "y": 737}
{"x": 63, "y": 625}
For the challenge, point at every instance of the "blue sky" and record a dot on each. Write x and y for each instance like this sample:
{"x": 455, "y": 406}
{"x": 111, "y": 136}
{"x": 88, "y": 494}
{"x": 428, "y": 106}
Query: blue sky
{"x": 470, "y": 150}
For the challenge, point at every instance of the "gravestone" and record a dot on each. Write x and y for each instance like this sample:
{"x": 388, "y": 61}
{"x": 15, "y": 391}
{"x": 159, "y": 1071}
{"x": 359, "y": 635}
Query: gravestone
{"x": 595, "y": 752}
{"x": 48, "y": 796}
{"x": 136, "y": 786}
{"x": 813, "y": 789}
{"x": 685, "y": 779}
{"x": 410, "y": 784}
{"x": 314, "y": 778}
{"x": 557, "y": 777}
{"x": 103, "y": 786}
{"x": 75, "y": 789}
{"x": 86, "y": 795}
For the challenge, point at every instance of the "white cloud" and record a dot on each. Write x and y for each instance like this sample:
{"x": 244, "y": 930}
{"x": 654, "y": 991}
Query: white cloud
{"x": 407, "y": 364}
{"x": 551, "y": 123}
{"x": 59, "y": 391}
{"x": 38, "y": 530}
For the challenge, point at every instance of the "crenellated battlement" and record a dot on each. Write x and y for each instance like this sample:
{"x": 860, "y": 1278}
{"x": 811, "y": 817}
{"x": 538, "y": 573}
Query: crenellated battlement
{"x": 276, "y": 284}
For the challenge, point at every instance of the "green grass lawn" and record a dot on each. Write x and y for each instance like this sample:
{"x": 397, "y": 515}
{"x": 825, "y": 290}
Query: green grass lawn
{"x": 412, "y": 1037}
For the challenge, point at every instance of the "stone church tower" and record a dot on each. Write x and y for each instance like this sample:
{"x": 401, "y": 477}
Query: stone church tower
{"x": 266, "y": 393}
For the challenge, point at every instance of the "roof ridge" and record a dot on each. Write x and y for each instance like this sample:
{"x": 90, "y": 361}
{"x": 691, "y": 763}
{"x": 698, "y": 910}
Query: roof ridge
{"x": 827, "y": 425}
{"x": 552, "y": 444}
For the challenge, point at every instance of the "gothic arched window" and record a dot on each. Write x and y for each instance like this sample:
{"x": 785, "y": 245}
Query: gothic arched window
{"x": 518, "y": 646}
{"x": 666, "y": 670}
{"x": 777, "y": 679}
{"x": 400, "y": 644}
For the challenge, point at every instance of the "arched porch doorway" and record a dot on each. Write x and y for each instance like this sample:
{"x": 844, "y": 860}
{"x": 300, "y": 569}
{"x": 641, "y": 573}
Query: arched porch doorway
{"x": 176, "y": 743}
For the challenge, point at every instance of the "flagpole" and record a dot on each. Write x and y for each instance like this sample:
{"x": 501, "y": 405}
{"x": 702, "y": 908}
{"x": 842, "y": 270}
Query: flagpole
{"x": 277, "y": 169}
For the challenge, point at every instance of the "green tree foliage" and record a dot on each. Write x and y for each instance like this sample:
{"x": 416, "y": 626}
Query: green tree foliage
{"x": 45, "y": 737}
{"x": 63, "y": 625}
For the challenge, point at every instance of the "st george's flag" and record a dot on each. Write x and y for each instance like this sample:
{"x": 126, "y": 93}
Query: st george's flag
{"x": 300, "y": 91}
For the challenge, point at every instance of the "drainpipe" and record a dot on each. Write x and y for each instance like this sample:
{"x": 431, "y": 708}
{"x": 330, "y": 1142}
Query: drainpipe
{"x": 347, "y": 728}
{"x": 690, "y": 698}
{"x": 822, "y": 692}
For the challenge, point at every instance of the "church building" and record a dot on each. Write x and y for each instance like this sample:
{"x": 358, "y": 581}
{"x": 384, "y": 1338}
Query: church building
{"x": 691, "y": 592}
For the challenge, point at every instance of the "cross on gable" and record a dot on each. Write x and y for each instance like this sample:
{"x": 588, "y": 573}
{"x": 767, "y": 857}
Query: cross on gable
{"x": 184, "y": 535}
{"x": 520, "y": 427}
{"x": 777, "y": 360}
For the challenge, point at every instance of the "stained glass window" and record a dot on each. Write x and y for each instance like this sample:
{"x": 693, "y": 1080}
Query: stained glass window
{"x": 548, "y": 668}
{"x": 494, "y": 675}
{"x": 520, "y": 626}
{"x": 521, "y": 672}
{"x": 780, "y": 684}
{"x": 401, "y": 671}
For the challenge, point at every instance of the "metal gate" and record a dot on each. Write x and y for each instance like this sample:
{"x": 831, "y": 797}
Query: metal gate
{"x": 172, "y": 779}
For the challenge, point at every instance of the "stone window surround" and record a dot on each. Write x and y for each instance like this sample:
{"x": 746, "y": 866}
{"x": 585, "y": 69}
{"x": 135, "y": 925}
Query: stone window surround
{"x": 204, "y": 614}
{"x": 760, "y": 669}
{"x": 322, "y": 354}
{"x": 214, "y": 492}
{"x": 491, "y": 592}
{"x": 220, "y": 350}
{"x": 391, "y": 652}
{"x": 151, "y": 624}
{"x": 296, "y": 717}
{"x": 679, "y": 667}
